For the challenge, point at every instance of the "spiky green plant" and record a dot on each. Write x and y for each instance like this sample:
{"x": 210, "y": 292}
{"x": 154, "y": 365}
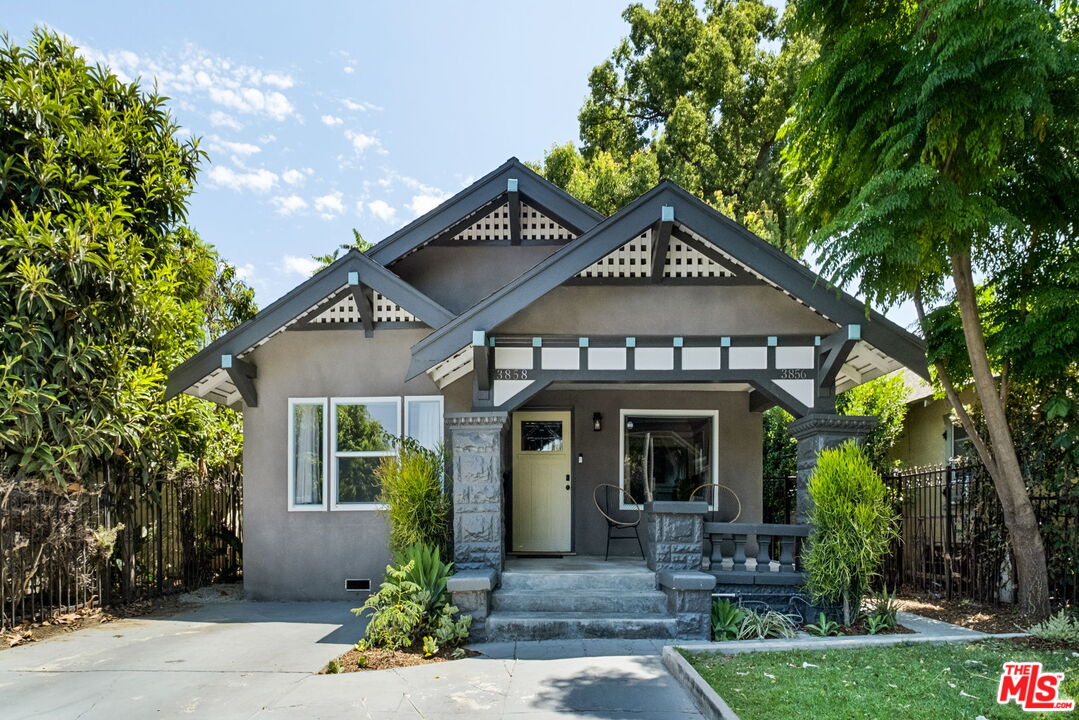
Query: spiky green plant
{"x": 1060, "y": 627}
{"x": 726, "y": 620}
{"x": 422, "y": 566}
{"x": 768, "y": 624}
{"x": 416, "y": 496}
{"x": 853, "y": 523}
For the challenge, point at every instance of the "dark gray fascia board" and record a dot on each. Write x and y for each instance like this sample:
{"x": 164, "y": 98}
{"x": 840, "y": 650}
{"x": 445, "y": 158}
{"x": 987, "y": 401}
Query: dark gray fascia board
{"x": 604, "y": 238}
{"x": 296, "y": 302}
{"x": 474, "y": 197}
{"x": 737, "y": 241}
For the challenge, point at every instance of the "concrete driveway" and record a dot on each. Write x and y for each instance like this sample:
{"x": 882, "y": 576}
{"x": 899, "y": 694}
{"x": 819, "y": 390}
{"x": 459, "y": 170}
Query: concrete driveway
{"x": 257, "y": 660}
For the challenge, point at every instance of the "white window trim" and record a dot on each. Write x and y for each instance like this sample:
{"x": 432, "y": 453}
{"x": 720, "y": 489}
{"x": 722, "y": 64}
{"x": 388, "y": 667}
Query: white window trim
{"x": 441, "y": 414}
{"x": 714, "y": 414}
{"x": 334, "y": 454}
{"x": 292, "y": 506}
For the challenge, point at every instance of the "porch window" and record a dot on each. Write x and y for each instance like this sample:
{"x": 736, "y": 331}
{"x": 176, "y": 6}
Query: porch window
{"x": 666, "y": 454}
{"x": 361, "y": 436}
{"x": 307, "y": 454}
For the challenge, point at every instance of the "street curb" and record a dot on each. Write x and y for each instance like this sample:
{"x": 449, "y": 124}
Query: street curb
{"x": 707, "y": 700}
{"x": 714, "y": 707}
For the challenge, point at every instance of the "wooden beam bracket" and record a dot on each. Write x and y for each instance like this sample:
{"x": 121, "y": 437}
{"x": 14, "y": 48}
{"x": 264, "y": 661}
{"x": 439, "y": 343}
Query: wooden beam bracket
{"x": 242, "y": 374}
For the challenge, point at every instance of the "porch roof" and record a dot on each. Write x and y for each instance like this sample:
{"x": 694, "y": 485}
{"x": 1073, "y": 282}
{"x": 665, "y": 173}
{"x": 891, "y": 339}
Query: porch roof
{"x": 732, "y": 241}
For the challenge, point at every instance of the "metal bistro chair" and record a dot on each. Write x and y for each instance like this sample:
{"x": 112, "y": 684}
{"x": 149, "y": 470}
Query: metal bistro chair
{"x": 614, "y": 525}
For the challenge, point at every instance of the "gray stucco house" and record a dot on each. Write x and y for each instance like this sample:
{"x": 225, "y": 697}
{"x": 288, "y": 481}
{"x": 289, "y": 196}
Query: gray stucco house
{"x": 554, "y": 351}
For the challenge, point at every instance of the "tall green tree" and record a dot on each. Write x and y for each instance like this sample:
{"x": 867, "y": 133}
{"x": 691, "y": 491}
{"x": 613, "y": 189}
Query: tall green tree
{"x": 103, "y": 286}
{"x": 915, "y": 135}
{"x": 696, "y": 95}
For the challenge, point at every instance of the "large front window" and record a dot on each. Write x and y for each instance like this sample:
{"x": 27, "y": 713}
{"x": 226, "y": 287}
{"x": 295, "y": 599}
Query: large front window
{"x": 667, "y": 454}
{"x": 363, "y": 433}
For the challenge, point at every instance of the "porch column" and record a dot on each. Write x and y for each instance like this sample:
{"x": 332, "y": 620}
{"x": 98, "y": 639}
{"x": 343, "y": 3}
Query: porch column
{"x": 817, "y": 432}
{"x": 478, "y": 523}
{"x": 675, "y": 551}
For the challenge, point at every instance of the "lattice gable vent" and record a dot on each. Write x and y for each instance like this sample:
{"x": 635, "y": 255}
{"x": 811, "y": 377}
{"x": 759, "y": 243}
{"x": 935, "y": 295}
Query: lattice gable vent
{"x": 344, "y": 310}
{"x": 495, "y": 225}
{"x": 634, "y": 260}
{"x": 537, "y": 226}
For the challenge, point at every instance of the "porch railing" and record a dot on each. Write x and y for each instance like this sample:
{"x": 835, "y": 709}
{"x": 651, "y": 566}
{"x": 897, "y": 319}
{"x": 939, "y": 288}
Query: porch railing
{"x": 755, "y": 553}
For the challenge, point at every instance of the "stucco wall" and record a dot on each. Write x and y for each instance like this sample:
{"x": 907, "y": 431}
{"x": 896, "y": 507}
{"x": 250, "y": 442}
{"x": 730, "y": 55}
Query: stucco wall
{"x": 457, "y": 277}
{"x": 666, "y": 310}
{"x": 308, "y": 555}
{"x": 739, "y": 452}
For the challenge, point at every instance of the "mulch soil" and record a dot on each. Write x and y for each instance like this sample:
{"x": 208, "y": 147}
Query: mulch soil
{"x": 88, "y": 616}
{"x": 381, "y": 659}
{"x": 859, "y": 627}
{"x": 1033, "y": 643}
{"x": 982, "y": 617}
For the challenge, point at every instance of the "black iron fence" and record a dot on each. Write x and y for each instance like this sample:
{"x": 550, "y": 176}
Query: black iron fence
{"x": 65, "y": 550}
{"x": 953, "y": 541}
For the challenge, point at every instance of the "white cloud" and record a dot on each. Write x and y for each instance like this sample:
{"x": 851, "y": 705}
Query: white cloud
{"x": 299, "y": 265}
{"x": 382, "y": 210}
{"x": 329, "y": 205}
{"x": 424, "y": 202}
{"x": 331, "y": 120}
{"x": 288, "y": 204}
{"x": 293, "y": 176}
{"x": 223, "y": 119}
{"x": 362, "y": 142}
{"x": 360, "y": 106}
{"x": 260, "y": 180}
{"x": 195, "y": 72}
{"x": 348, "y": 69}
{"x": 217, "y": 144}
{"x": 245, "y": 272}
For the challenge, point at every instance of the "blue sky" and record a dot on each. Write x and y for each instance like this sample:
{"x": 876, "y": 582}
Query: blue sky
{"x": 321, "y": 117}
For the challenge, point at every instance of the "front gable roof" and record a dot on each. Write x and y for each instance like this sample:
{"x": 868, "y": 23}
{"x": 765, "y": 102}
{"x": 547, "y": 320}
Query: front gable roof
{"x": 730, "y": 239}
{"x": 481, "y": 198}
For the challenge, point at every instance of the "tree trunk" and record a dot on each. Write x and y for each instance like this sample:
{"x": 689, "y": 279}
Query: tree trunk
{"x": 1019, "y": 517}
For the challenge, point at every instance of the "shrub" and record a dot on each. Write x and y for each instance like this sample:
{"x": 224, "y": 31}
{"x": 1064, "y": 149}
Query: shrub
{"x": 407, "y": 614}
{"x": 881, "y": 612}
{"x": 769, "y": 624}
{"x": 853, "y": 523}
{"x": 1060, "y": 627}
{"x": 726, "y": 620}
{"x": 418, "y": 503}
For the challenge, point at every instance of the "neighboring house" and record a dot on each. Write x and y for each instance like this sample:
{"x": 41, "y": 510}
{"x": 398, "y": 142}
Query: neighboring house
{"x": 931, "y": 435}
{"x": 554, "y": 351}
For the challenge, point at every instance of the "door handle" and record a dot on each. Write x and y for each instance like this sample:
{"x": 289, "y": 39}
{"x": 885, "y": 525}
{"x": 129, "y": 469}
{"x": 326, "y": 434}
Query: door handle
{"x": 567, "y": 481}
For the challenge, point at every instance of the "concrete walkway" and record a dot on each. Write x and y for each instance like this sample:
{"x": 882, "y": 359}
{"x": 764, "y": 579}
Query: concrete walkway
{"x": 256, "y": 660}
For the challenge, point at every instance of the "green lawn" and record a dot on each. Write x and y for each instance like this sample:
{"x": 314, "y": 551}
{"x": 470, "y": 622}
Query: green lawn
{"x": 912, "y": 682}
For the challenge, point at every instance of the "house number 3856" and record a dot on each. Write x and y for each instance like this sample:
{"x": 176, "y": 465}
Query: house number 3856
{"x": 511, "y": 374}
{"x": 792, "y": 374}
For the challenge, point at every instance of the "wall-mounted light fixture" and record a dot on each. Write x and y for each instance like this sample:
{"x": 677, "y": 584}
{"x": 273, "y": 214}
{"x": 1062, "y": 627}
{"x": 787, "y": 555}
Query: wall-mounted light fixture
{"x": 597, "y": 421}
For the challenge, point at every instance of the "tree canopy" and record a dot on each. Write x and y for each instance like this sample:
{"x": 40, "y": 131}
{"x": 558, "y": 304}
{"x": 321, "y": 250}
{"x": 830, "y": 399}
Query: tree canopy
{"x": 697, "y": 96}
{"x": 103, "y": 285}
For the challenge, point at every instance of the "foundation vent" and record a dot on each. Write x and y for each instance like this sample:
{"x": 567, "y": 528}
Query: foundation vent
{"x": 357, "y": 584}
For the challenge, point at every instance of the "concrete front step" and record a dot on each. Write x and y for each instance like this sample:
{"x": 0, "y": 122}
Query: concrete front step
{"x": 599, "y": 582}
{"x": 651, "y": 602}
{"x": 504, "y": 626}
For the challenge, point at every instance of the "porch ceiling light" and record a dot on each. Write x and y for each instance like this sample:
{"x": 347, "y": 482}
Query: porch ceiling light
{"x": 597, "y": 421}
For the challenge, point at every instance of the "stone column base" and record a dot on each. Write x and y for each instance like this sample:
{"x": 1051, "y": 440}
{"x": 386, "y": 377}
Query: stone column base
{"x": 470, "y": 591}
{"x": 689, "y": 600}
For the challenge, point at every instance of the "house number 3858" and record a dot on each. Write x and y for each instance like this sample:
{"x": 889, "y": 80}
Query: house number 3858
{"x": 511, "y": 374}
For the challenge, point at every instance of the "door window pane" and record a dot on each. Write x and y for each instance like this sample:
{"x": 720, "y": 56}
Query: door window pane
{"x": 307, "y": 453}
{"x": 541, "y": 435}
{"x": 666, "y": 457}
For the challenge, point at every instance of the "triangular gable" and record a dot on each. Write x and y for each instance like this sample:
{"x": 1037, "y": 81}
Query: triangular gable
{"x": 634, "y": 259}
{"x": 734, "y": 241}
{"x": 318, "y": 298}
{"x": 547, "y": 212}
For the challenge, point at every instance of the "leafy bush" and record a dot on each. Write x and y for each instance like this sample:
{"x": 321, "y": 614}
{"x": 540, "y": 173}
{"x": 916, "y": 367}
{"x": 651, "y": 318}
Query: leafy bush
{"x": 824, "y": 627}
{"x": 1060, "y": 627}
{"x": 769, "y": 624}
{"x": 408, "y": 614}
{"x": 726, "y": 620}
{"x": 853, "y": 523}
{"x": 418, "y": 503}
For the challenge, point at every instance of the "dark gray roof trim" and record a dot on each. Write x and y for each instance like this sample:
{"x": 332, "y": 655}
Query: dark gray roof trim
{"x": 298, "y": 301}
{"x": 569, "y": 211}
{"x": 612, "y": 233}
